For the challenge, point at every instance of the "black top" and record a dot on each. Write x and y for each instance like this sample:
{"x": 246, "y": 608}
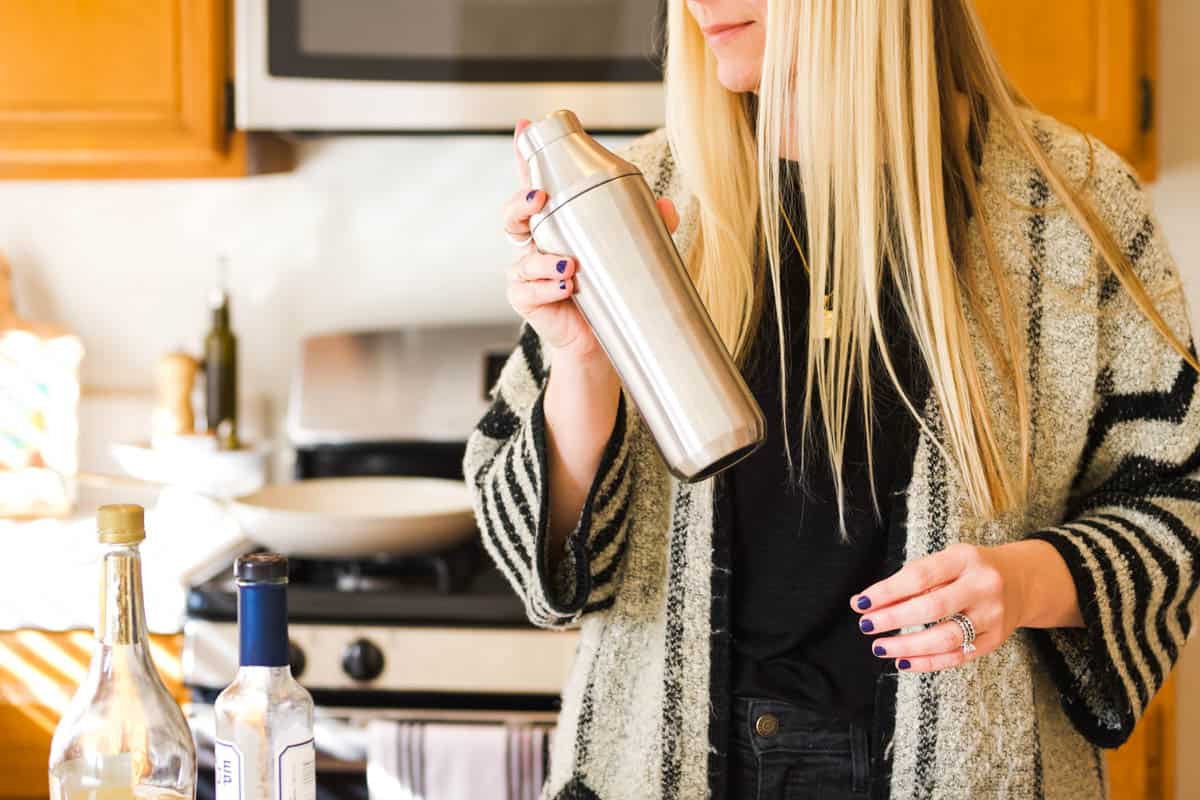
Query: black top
{"x": 795, "y": 637}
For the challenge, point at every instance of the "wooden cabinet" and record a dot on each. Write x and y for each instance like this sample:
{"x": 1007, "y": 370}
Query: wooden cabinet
{"x": 1091, "y": 63}
{"x": 1144, "y": 768}
{"x": 120, "y": 88}
{"x": 39, "y": 673}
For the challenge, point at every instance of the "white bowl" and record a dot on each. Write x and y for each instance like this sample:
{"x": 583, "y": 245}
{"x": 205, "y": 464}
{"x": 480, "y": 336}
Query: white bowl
{"x": 195, "y": 466}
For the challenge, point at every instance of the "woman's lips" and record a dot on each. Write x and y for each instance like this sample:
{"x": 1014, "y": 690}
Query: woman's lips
{"x": 722, "y": 32}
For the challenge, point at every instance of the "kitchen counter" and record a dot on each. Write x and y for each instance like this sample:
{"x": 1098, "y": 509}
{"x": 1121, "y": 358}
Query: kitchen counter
{"x": 50, "y": 569}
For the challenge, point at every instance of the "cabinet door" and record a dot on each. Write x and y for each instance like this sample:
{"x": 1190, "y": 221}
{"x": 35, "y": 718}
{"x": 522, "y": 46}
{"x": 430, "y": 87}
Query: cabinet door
{"x": 1087, "y": 62}
{"x": 115, "y": 88}
{"x": 1144, "y": 767}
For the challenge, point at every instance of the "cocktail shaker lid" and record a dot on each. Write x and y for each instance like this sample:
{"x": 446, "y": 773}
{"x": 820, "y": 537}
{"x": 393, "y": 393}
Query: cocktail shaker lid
{"x": 553, "y": 127}
{"x": 564, "y": 161}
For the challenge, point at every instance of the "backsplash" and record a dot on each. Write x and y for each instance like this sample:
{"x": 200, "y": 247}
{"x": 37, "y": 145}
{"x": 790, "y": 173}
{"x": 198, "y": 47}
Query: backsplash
{"x": 368, "y": 231}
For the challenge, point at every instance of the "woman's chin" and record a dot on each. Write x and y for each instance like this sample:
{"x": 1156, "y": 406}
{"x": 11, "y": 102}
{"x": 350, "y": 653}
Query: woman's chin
{"x": 739, "y": 77}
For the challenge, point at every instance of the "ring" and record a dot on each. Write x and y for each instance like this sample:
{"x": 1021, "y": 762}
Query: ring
{"x": 968, "y": 631}
{"x": 515, "y": 242}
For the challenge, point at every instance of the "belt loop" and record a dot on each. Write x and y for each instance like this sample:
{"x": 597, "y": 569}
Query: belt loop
{"x": 860, "y": 757}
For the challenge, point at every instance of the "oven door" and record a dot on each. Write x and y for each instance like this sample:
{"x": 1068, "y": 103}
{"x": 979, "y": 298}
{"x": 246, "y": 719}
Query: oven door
{"x": 449, "y": 65}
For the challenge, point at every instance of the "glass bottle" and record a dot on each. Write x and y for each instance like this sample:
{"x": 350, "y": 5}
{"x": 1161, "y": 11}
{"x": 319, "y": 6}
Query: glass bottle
{"x": 264, "y": 719}
{"x": 122, "y": 736}
{"x": 221, "y": 373}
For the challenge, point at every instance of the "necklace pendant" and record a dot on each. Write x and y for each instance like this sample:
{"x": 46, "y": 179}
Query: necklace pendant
{"x": 827, "y": 326}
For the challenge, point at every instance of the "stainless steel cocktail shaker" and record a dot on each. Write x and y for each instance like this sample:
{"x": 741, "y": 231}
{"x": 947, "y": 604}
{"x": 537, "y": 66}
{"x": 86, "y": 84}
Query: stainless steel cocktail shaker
{"x": 635, "y": 292}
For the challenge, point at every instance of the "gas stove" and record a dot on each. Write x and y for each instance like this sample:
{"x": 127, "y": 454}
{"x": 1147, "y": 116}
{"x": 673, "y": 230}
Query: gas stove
{"x": 437, "y": 630}
{"x": 439, "y": 637}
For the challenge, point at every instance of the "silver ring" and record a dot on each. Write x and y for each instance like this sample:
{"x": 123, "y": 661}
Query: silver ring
{"x": 515, "y": 242}
{"x": 968, "y": 631}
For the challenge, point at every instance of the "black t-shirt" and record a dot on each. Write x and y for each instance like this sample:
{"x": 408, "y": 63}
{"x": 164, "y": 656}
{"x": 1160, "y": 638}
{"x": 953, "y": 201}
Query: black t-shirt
{"x": 795, "y": 637}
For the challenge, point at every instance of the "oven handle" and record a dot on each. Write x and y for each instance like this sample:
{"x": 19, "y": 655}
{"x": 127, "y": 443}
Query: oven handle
{"x": 341, "y": 733}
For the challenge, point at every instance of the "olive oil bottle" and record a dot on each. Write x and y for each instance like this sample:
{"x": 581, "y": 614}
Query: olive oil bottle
{"x": 221, "y": 374}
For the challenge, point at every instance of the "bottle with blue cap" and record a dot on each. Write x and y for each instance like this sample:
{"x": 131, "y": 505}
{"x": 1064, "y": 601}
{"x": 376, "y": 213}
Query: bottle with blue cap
{"x": 264, "y": 719}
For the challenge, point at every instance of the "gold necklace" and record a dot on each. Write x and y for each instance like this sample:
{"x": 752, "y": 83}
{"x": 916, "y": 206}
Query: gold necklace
{"x": 827, "y": 319}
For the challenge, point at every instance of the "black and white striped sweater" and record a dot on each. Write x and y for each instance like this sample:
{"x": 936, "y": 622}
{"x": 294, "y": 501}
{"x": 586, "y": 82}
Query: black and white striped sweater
{"x": 1116, "y": 492}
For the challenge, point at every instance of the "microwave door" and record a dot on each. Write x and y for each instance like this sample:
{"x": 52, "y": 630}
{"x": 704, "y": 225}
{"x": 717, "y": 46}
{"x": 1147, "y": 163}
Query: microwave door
{"x": 453, "y": 65}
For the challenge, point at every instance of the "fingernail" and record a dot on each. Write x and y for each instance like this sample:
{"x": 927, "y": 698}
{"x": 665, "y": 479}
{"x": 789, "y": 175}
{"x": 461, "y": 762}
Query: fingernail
{"x": 903, "y": 663}
{"x": 863, "y": 603}
{"x": 561, "y": 266}
{"x": 562, "y": 284}
{"x": 879, "y": 651}
{"x": 866, "y": 626}
{"x": 529, "y": 197}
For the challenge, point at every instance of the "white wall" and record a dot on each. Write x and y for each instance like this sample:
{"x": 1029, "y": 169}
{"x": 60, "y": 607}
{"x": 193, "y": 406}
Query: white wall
{"x": 1177, "y": 199}
{"x": 367, "y": 231}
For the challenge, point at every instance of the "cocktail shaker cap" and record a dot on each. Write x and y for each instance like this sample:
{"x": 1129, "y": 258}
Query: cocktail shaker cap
{"x": 564, "y": 161}
{"x": 553, "y": 127}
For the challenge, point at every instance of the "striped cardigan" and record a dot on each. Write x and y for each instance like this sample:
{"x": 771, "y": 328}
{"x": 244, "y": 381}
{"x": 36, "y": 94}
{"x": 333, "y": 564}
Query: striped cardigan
{"x": 1116, "y": 447}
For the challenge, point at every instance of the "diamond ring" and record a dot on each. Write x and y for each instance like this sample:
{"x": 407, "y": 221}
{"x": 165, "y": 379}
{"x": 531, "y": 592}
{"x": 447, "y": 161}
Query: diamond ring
{"x": 968, "y": 631}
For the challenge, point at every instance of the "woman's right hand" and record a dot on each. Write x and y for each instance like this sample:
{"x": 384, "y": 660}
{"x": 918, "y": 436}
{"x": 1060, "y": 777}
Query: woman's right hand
{"x": 540, "y": 284}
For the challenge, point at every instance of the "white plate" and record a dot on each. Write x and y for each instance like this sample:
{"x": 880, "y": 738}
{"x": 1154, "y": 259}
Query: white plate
{"x": 354, "y": 517}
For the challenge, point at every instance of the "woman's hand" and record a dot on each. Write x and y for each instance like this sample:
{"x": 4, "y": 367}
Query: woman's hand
{"x": 1000, "y": 589}
{"x": 538, "y": 283}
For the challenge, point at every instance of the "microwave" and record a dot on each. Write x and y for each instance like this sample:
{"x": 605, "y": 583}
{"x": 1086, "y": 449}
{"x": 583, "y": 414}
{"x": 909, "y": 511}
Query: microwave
{"x": 446, "y": 65}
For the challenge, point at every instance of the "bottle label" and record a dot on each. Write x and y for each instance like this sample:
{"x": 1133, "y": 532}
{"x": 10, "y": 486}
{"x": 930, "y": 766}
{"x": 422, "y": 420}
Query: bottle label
{"x": 228, "y": 771}
{"x": 297, "y": 770}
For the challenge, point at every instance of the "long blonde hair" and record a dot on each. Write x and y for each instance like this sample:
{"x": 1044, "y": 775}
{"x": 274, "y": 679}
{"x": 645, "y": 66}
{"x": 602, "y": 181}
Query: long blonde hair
{"x": 864, "y": 94}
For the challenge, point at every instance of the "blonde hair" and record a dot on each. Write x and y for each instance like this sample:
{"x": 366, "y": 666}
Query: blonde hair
{"x": 865, "y": 92}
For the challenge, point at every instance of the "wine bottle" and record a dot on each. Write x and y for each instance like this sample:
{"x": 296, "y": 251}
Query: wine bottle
{"x": 122, "y": 736}
{"x": 221, "y": 374}
{"x": 264, "y": 719}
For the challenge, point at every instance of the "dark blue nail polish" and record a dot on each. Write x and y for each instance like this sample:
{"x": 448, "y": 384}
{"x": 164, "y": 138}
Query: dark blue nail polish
{"x": 529, "y": 197}
{"x": 561, "y": 266}
{"x": 562, "y": 284}
{"x": 866, "y": 626}
{"x": 863, "y": 603}
{"x": 879, "y": 651}
{"x": 903, "y": 663}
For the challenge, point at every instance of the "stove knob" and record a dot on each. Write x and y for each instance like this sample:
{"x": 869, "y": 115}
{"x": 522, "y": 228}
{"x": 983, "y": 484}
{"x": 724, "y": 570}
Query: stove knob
{"x": 296, "y": 659}
{"x": 362, "y": 660}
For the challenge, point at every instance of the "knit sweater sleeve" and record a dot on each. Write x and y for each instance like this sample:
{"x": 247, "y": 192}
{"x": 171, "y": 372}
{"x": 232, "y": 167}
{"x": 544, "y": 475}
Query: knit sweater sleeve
{"x": 1130, "y": 535}
{"x": 506, "y": 468}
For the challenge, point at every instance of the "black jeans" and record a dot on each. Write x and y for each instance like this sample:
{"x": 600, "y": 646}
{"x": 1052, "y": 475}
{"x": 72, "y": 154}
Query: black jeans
{"x": 783, "y": 752}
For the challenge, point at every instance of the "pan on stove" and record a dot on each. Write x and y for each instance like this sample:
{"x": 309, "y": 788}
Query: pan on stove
{"x": 357, "y": 517}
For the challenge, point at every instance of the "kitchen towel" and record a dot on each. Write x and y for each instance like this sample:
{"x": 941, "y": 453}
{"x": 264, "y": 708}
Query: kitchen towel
{"x": 426, "y": 761}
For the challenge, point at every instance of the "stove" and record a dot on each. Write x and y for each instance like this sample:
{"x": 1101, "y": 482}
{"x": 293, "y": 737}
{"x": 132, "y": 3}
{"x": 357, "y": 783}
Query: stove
{"x": 439, "y": 637}
{"x": 438, "y": 630}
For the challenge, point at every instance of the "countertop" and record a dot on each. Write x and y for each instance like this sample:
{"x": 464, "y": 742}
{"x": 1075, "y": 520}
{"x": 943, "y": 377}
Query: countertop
{"x": 49, "y": 571}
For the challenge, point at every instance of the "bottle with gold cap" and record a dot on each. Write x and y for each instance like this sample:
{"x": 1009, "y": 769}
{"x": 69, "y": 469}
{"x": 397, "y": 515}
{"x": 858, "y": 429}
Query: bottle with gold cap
{"x": 122, "y": 736}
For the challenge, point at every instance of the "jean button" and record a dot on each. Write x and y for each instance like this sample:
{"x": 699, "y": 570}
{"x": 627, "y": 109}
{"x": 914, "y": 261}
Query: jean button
{"x": 766, "y": 725}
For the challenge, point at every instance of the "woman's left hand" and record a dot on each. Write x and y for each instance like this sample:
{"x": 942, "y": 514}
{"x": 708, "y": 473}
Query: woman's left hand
{"x": 987, "y": 584}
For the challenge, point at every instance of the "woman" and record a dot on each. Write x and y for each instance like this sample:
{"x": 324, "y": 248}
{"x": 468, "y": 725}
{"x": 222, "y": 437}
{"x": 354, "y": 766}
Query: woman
{"x": 961, "y": 562}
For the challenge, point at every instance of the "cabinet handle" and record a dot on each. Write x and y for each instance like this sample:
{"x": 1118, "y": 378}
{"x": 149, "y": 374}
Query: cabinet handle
{"x": 1147, "y": 116}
